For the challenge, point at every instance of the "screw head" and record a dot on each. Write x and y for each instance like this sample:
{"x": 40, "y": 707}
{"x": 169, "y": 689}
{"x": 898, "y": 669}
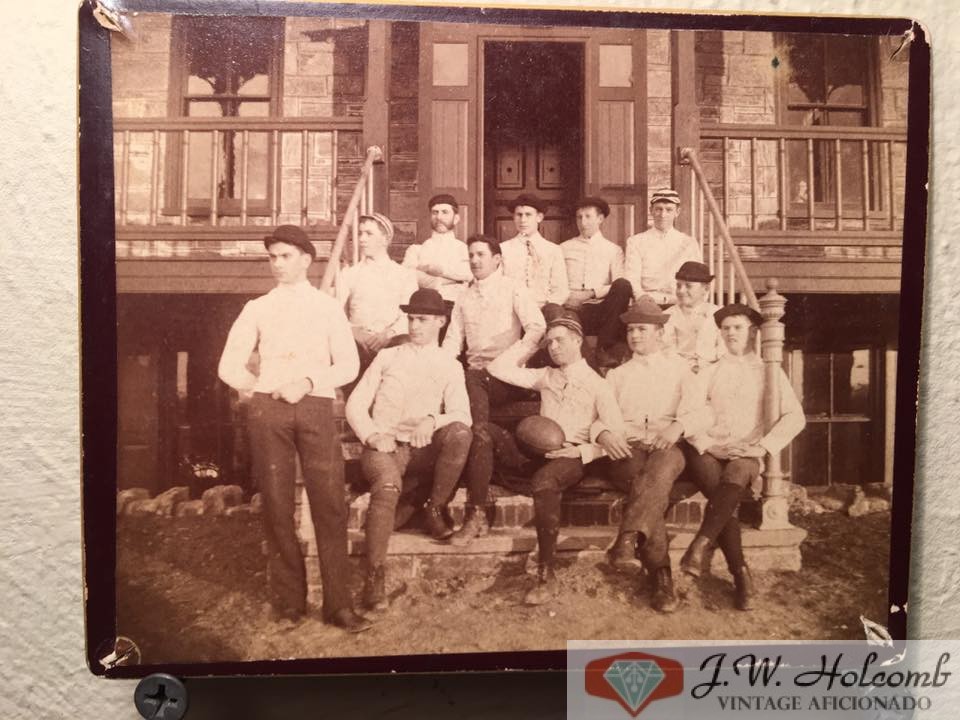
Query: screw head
{"x": 160, "y": 697}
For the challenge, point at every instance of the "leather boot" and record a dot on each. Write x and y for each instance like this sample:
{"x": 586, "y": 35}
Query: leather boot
{"x": 745, "y": 590}
{"x": 695, "y": 560}
{"x": 664, "y": 599}
{"x": 546, "y": 588}
{"x": 435, "y": 521}
{"x": 474, "y": 525}
{"x": 375, "y": 589}
{"x": 624, "y": 551}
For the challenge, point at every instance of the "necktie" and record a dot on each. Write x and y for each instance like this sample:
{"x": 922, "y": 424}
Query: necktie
{"x": 533, "y": 264}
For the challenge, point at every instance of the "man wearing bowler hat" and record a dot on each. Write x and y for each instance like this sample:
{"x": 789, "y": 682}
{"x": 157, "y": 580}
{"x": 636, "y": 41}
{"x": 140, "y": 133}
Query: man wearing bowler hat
{"x": 653, "y": 392}
{"x": 598, "y": 290}
{"x": 690, "y": 330}
{"x": 441, "y": 261}
{"x": 411, "y": 412}
{"x": 306, "y": 352}
{"x": 531, "y": 258}
{"x": 654, "y": 256}
{"x": 726, "y": 446}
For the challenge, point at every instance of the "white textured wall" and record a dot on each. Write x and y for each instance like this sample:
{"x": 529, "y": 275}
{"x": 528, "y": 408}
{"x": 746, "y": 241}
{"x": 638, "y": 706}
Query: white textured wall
{"x": 42, "y": 673}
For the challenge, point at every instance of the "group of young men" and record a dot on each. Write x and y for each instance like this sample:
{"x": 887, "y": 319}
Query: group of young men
{"x": 459, "y": 328}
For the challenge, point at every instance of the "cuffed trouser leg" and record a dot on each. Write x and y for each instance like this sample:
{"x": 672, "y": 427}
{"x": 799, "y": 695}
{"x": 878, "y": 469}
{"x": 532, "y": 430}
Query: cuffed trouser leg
{"x": 548, "y": 483}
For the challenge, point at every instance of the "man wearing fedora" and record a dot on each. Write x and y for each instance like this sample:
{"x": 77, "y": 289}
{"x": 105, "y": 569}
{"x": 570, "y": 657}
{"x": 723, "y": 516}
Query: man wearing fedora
{"x": 306, "y": 351}
{"x": 411, "y": 412}
{"x": 441, "y": 261}
{"x": 728, "y": 442}
{"x": 531, "y": 258}
{"x": 653, "y": 391}
{"x": 598, "y": 290}
{"x": 372, "y": 290}
{"x": 654, "y": 256}
{"x": 579, "y": 401}
{"x": 690, "y": 330}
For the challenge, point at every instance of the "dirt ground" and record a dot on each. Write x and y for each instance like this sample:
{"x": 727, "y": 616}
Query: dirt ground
{"x": 205, "y": 577}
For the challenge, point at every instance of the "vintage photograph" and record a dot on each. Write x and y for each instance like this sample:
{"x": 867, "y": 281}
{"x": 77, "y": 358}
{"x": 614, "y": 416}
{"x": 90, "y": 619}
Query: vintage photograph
{"x": 472, "y": 337}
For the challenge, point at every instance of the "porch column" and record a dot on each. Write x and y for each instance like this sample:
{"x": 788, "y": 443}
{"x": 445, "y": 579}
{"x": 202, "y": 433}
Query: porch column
{"x": 685, "y": 123}
{"x": 775, "y": 501}
{"x": 376, "y": 108}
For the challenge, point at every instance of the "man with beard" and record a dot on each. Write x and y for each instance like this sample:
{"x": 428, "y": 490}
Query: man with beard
{"x": 441, "y": 261}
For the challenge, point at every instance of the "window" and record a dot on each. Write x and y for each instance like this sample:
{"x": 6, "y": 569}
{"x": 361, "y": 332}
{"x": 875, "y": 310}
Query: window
{"x": 224, "y": 67}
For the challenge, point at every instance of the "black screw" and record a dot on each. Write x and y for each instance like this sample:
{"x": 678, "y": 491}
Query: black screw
{"x": 160, "y": 697}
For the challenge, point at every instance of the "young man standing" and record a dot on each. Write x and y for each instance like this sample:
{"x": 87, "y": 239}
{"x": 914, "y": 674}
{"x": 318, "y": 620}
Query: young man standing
{"x": 579, "y": 401}
{"x": 441, "y": 261}
{"x": 653, "y": 392}
{"x": 306, "y": 351}
{"x": 690, "y": 330}
{"x": 532, "y": 259}
{"x": 653, "y": 257}
{"x": 372, "y": 290}
{"x": 594, "y": 265}
{"x": 410, "y": 410}
{"x": 726, "y": 452}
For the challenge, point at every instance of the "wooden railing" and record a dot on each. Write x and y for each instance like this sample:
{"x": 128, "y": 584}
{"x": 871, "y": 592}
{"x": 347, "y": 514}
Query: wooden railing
{"x": 299, "y": 165}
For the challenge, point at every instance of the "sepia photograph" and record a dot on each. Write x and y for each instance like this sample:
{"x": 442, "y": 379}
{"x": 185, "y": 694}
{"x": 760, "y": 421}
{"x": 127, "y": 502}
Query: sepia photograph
{"x": 468, "y": 332}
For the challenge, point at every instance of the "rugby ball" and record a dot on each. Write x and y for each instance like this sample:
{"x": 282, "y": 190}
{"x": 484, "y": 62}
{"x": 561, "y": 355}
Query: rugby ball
{"x": 537, "y": 435}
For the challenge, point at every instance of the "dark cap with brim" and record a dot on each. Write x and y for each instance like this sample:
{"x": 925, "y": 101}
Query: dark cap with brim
{"x": 425, "y": 301}
{"x": 595, "y": 202}
{"x": 291, "y": 235}
{"x": 444, "y": 199}
{"x": 692, "y": 271}
{"x": 738, "y": 309}
{"x": 529, "y": 201}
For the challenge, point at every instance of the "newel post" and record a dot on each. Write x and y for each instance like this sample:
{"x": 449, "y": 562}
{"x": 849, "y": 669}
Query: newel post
{"x": 775, "y": 500}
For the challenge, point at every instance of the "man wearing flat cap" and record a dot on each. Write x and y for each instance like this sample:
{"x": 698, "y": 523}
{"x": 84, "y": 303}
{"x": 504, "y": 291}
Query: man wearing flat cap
{"x": 653, "y": 392}
{"x": 306, "y": 352}
{"x": 598, "y": 290}
{"x": 654, "y": 256}
{"x": 579, "y": 401}
{"x": 531, "y": 258}
{"x": 411, "y": 412}
{"x": 690, "y": 330}
{"x": 441, "y": 261}
{"x": 373, "y": 290}
{"x": 727, "y": 442}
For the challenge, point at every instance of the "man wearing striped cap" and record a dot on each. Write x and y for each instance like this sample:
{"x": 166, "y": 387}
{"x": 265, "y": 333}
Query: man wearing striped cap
{"x": 653, "y": 257}
{"x": 373, "y": 290}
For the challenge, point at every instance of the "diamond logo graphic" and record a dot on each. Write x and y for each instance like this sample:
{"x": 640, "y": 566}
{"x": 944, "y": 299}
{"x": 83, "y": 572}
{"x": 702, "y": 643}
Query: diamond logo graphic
{"x": 633, "y": 679}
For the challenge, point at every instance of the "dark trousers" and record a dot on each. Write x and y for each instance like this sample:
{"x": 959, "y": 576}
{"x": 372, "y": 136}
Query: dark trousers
{"x": 494, "y": 447}
{"x": 603, "y": 318}
{"x": 485, "y": 392}
{"x": 446, "y": 456}
{"x": 278, "y": 432}
{"x": 647, "y": 477}
{"x": 722, "y": 482}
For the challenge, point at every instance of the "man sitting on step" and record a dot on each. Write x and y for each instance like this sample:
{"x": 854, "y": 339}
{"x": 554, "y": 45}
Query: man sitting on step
{"x": 690, "y": 329}
{"x": 579, "y": 401}
{"x": 653, "y": 391}
{"x": 411, "y": 412}
{"x": 532, "y": 259}
{"x": 726, "y": 452}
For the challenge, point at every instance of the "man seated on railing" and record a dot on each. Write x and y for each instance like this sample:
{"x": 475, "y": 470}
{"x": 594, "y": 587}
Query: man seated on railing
{"x": 598, "y": 290}
{"x": 579, "y": 401}
{"x": 653, "y": 391}
{"x": 441, "y": 261}
{"x": 727, "y": 444}
{"x": 373, "y": 290}
{"x": 690, "y": 329}
{"x": 532, "y": 259}
{"x": 654, "y": 256}
{"x": 411, "y": 412}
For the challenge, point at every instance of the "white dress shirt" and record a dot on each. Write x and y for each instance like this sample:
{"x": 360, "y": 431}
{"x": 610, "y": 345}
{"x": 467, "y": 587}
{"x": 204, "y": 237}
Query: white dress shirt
{"x": 300, "y": 332}
{"x": 730, "y": 398}
{"x": 694, "y": 335}
{"x": 450, "y": 253}
{"x": 539, "y": 264}
{"x": 492, "y": 315}
{"x": 575, "y": 397}
{"x": 592, "y": 264}
{"x": 373, "y": 290}
{"x": 403, "y": 385}
{"x": 652, "y": 260}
